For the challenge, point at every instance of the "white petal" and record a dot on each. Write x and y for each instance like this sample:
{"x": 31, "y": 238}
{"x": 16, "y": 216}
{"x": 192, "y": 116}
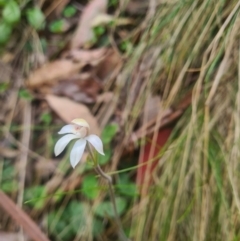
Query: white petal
{"x": 77, "y": 152}
{"x": 96, "y": 142}
{"x": 62, "y": 143}
{"x": 67, "y": 129}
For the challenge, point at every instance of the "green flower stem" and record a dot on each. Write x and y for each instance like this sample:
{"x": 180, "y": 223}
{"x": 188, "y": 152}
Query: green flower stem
{"x": 108, "y": 178}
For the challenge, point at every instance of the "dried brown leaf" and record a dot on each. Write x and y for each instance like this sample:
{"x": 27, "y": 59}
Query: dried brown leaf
{"x": 53, "y": 71}
{"x": 8, "y": 152}
{"x": 69, "y": 110}
{"x": 109, "y": 64}
{"x": 84, "y": 33}
{"x": 87, "y": 56}
{"x": 22, "y": 218}
{"x": 106, "y": 97}
{"x": 44, "y": 168}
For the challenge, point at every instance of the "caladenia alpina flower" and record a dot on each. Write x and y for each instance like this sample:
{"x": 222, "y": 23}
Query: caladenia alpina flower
{"x": 79, "y": 129}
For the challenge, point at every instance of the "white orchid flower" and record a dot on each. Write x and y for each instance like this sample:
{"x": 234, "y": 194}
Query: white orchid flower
{"x": 79, "y": 129}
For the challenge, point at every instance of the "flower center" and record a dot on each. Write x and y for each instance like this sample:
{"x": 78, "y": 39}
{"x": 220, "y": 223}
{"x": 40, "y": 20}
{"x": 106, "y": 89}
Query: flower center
{"x": 80, "y": 131}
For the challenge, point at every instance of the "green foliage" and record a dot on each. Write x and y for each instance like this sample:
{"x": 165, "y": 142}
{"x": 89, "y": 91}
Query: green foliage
{"x": 57, "y": 26}
{"x": 69, "y": 11}
{"x": 38, "y": 193}
{"x": 3, "y": 2}
{"x": 11, "y": 12}
{"x": 36, "y": 18}
{"x": 46, "y": 118}
{"x": 44, "y": 44}
{"x": 113, "y": 3}
{"x": 4, "y": 86}
{"x": 25, "y": 94}
{"x": 98, "y": 31}
{"x": 74, "y": 219}
{"x": 108, "y": 133}
{"x": 98, "y": 227}
{"x": 59, "y": 223}
{"x": 106, "y": 208}
{"x": 102, "y": 160}
{"x": 79, "y": 212}
{"x": 90, "y": 187}
{"x": 126, "y": 46}
{"x": 126, "y": 187}
{"x": 8, "y": 184}
{"x": 5, "y": 30}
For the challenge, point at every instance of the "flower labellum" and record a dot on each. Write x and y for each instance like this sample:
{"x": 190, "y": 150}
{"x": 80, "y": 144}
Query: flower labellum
{"x": 79, "y": 129}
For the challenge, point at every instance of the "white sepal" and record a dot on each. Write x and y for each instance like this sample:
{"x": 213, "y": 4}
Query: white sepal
{"x": 62, "y": 143}
{"x": 96, "y": 143}
{"x": 77, "y": 152}
{"x": 66, "y": 129}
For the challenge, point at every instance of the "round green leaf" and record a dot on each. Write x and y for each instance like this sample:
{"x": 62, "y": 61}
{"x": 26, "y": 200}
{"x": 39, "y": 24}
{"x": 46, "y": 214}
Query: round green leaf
{"x": 90, "y": 187}
{"x": 36, "y": 18}
{"x": 57, "y": 26}
{"x": 69, "y": 11}
{"x": 109, "y": 132}
{"x": 11, "y": 12}
{"x": 78, "y": 211}
{"x": 129, "y": 189}
{"x": 106, "y": 208}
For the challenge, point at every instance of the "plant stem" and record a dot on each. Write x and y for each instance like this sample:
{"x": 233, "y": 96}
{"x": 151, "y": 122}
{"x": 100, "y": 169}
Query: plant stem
{"x": 108, "y": 178}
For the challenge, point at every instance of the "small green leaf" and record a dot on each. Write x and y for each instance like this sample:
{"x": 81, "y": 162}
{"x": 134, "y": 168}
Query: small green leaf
{"x": 99, "y": 30}
{"x": 109, "y": 132}
{"x": 36, "y": 18}
{"x": 90, "y": 187}
{"x": 46, "y": 118}
{"x": 69, "y": 11}
{"x": 98, "y": 227}
{"x": 106, "y": 208}
{"x": 113, "y": 3}
{"x": 11, "y": 12}
{"x": 24, "y": 94}
{"x": 126, "y": 187}
{"x": 79, "y": 212}
{"x": 102, "y": 160}
{"x": 129, "y": 189}
{"x": 9, "y": 186}
{"x": 3, "y": 87}
{"x": 60, "y": 220}
{"x": 38, "y": 193}
{"x": 5, "y": 31}
{"x": 57, "y": 26}
{"x": 8, "y": 172}
{"x": 44, "y": 44}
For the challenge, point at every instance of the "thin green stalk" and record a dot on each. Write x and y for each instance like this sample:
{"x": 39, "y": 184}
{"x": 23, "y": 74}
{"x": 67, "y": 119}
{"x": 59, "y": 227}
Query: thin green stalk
{"x": 108, "y": 178}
